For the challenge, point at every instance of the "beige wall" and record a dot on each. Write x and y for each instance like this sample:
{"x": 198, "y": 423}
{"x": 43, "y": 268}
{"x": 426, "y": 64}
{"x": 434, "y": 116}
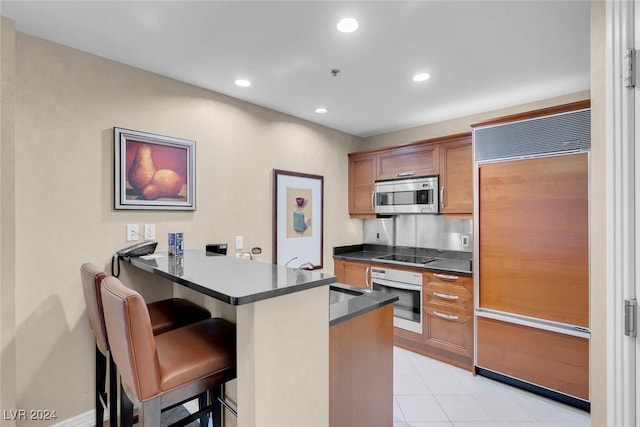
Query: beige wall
{"x": 7, "y": 217}
{"x": 461, "y": 124}
{"x": 67, "y": 103}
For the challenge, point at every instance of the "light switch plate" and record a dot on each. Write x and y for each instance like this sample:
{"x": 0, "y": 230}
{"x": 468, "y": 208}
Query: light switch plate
{"x": 150, "y": 231}
{"x": 132, "y": 232}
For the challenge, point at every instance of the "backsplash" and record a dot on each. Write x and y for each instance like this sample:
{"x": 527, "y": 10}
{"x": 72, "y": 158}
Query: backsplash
{"x": 422, "y": 231}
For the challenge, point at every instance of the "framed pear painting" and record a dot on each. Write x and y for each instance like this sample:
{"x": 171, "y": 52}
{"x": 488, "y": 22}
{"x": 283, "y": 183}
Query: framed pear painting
{"x": 153, "y": 172}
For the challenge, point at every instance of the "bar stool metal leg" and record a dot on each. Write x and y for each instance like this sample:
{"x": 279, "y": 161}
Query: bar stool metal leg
{"x": 100, "y": 394}
{"x": 216, "y": 413}
{"x": 202, "y": 403}
{"x": 113, "y": 393}
{"x": 126, "y": 409}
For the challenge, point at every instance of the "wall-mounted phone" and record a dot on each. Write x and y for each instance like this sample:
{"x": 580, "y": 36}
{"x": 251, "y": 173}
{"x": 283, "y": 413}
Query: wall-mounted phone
{"x": 139, "y": 249}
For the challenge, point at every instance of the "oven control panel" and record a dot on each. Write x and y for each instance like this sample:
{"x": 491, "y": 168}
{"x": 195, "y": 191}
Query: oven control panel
{"x": 409, "y": 277}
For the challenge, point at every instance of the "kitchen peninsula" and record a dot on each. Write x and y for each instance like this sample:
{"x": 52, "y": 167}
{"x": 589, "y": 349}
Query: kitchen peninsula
{"x": 282, "y": 321}
{"x": 300, "y": 342}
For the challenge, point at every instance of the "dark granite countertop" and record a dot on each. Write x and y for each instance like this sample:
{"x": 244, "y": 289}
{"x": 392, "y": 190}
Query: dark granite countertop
{"x": 230, "y": 280}
{"x": 448, "y": 261}
{"x": 347, "y": 302}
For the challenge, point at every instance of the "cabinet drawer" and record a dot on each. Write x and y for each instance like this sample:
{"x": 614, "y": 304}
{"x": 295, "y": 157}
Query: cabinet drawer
{"x": 450, "y": 281}
{"x": 455, "y": 297}
{"x": 450, "y": 330}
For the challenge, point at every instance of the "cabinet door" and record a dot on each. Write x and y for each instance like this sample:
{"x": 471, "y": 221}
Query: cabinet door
{"x": 534, "y": 238}
{"x": 448, "y": 313}
{"x": 352, "y": 273}
{"x": 456, "y": 177}
{"x": 418, "y": 160}
{"x": 548, "y": 359}
{"x": 362, "y": 176}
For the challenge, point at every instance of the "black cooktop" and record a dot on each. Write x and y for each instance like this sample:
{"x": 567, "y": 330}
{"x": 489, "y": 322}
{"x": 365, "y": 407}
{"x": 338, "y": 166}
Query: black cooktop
{"x": 407, "y": 259}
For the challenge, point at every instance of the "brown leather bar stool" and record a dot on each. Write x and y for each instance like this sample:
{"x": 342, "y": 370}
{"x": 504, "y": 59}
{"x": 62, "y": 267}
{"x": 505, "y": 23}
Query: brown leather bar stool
{"x": 165, "y": 315}
{"x": 162, "y": 371}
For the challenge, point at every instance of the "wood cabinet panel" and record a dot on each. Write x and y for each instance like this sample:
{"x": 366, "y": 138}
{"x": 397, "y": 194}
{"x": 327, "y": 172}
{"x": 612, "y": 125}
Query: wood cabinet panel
{"x": 534, "y": 238}
{"x": 451, "y": 333}
{"x": 551, "y": 360}
{"x": 417, "y": 160}
{"x": 456, "y": 176}
{"x": 448, "y": 313}
{"x": 362, "y": 176}
{"x": 352, "y": 273}
{"x": 361, "y": 370}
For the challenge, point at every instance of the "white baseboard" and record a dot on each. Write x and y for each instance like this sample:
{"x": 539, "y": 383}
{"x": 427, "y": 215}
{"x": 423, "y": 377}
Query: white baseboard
{"x": 86, "y": 419}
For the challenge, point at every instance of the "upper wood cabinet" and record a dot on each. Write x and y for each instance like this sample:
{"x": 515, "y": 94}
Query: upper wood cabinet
{"x": 451, "y": 157}
{"x": 362, "y": 176}
{"x": 456, "y": 176}
{"x": 405, "y": 162}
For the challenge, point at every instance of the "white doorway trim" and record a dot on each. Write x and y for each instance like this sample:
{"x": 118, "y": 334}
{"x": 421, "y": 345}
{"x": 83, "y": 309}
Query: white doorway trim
{"x": 623, "y": 192}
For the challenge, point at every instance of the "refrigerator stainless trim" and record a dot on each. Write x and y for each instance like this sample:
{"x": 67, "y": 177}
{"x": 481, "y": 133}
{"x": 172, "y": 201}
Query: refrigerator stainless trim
{"x": 533, "y": 322}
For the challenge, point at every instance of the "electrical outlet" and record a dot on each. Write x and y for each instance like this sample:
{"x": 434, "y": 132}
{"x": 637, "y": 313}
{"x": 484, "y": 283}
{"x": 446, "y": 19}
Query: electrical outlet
{"x": 150, "y": 231}
{"x": 239, "y": 242}
{"x": 132, "y": 232}
{"x": 465, "y": 240}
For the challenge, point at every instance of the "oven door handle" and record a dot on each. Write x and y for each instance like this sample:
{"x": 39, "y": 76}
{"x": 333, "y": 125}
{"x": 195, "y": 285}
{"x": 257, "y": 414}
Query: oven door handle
{"x": 398, "y": 285}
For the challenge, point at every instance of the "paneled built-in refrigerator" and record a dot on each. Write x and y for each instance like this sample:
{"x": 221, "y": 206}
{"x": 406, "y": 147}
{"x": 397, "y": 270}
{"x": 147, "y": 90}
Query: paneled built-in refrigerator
{"x": 531, "y": 268}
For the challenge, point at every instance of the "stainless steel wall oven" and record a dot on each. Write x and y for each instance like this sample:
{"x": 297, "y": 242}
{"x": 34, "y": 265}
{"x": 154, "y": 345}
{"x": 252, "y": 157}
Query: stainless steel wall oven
{"x": 407, "y": 311}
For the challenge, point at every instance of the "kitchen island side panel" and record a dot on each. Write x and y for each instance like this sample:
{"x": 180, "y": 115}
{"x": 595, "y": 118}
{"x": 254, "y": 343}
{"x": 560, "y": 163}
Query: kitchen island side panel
{"x": 361, "y": 370}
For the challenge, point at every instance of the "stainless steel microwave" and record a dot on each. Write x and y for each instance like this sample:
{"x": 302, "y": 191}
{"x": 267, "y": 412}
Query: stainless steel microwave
{"x": 407, "y": 196}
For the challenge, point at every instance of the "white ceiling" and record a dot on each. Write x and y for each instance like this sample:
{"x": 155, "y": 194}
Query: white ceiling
{"x": 481, "y": 55}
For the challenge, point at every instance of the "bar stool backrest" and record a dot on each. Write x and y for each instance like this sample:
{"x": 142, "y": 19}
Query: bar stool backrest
{"x": 133, "y": 346}
{"x": 91, "y": 277}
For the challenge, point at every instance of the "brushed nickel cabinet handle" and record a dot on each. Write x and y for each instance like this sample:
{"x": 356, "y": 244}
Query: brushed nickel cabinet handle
{"x": 373, "y": 195}
{"x": 446, "y": 276}
{"x": 446, "y": 296}
{"x": 366, "y": 276}
{"x": 400, "y": 174}
{"x": 442, "y": 197}
{"x": 446, "y": 316}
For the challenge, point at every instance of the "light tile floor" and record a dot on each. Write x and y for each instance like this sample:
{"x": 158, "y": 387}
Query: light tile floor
{"x": 429, "y": 393}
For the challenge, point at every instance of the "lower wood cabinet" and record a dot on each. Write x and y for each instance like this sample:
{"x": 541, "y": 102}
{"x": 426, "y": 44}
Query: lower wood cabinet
{"x": 361, "y": 370}
{"x": 447, "y": 320}
{"x": 447, "y": 301}
{"x": 548, "y": 359}
{"x": 352, "y": 273}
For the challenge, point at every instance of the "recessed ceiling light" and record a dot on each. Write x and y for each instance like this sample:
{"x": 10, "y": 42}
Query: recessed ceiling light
{"x": 322, "y": 110}
{"x": 421, "y": 77}
{"x": 243, "y": 83}
{"x": 347, "y": 25}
